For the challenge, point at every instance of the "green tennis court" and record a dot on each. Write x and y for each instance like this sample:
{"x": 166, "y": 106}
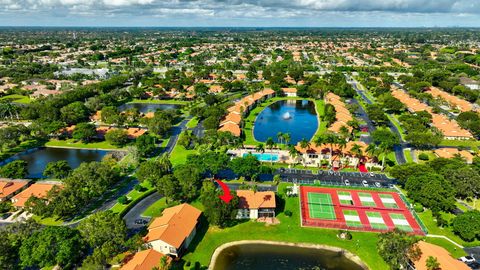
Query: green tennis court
{"x": 366, "y": 199}
{"x": 376, "y": 221}
{"x": 351, "y": 218}
{"x": 401, "y": 222}
{"x": 388, "y": 201}
{"x": 320, "y": 206}
{"x": 342, "y": 195}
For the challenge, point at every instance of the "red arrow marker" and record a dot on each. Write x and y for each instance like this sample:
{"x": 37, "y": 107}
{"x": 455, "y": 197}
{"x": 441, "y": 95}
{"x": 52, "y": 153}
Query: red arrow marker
{"x": 226, "y": 197}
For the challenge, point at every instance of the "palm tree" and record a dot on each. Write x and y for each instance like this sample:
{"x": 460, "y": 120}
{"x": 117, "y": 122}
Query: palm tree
{"x": 280, "y": 137}
{"x": 287, "y": 138}
{"x": 356, "y": 150}
{"x": 293, "y": 152}
{"x": 384, "y": 150}
{"x": 372, "y": 150}
{"x": 270, "y": 144}
{"x": 260, "y": 148}
{"x": 304, "y": 143}
{"x": 318, "y": 141}
{"x": 344, "y": 132}
{"x": 342, "y": 143}
{"x": 331, "y": 138}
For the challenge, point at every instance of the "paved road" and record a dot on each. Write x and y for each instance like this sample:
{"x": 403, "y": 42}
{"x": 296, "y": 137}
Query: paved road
{"x": 176, "y": 130}
{"x": 136, "y": 211}
{"x": 398, "y": 149}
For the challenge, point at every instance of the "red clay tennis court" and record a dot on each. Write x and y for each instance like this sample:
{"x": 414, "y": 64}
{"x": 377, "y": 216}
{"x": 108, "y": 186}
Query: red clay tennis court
{"x": 350, "y": 209}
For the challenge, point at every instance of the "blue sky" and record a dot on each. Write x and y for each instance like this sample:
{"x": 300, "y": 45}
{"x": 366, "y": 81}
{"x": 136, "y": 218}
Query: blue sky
{"x": 268, "y": 13}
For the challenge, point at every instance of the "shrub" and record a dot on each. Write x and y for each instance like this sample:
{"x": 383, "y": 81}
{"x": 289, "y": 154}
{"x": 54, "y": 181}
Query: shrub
{"x": 288, "y": 213}
{"x": 122, "y": 199}
{"x": 138, "y": 188}
{"x": 423, "y": 156}
{"x": 418, "y": 208}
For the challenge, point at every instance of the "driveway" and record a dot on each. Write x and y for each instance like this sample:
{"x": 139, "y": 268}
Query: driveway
{"x": 136, "y": 211}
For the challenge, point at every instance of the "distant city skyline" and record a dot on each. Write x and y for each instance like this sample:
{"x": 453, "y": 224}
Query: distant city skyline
{"x": 242, "y": 13}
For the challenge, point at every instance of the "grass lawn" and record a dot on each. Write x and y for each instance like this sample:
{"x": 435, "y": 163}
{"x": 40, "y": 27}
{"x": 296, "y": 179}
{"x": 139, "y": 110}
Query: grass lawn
{"x": 289, "y": 230}
{"x": 180, "y": 153}
{"x": 432, "y": 228}
{"x": 397, "y": 124}
{"x": 17, "y": 99}
{"x": 132, "y": 196}
{"x": 71, "y": 143}
{"x": 408, "y": 155}
{"x": 430, "y": 154}
{"x": 192, "y": 123}
{"x": 471, "y": 143}
{"x": 155, "y": 210}
{"x": 48, "y": 221}
{"x": 474, "y": 203}
{"x": 162, "y": 101}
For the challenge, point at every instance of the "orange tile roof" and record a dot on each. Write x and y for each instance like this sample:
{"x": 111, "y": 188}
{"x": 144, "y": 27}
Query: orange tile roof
{"x": 39, "y": 190}
{"x": 135, "y": 132}
{"x": 452, "y": 152}
{"x": 232, "y": 128}
{"x": 144, "y": 260}
{"x": 343, "y": 115}
{"x": 174, "y": 226}
{"x": 461, "y": 104}
{"x": 248, "y": 199}
{"x": 289, "y": 90}
{"x": 446, "y": 261}
{"x": 9, "y": 186}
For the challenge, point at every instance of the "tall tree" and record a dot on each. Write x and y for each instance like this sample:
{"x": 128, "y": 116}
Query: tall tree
{"x": 397, "y": 248}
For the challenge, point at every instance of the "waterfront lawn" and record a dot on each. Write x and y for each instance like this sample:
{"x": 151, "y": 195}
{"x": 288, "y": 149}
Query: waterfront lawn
{"x": 77, "y": 144}
{"x": 5, "y": 153}
{"x": 289, "y": 230}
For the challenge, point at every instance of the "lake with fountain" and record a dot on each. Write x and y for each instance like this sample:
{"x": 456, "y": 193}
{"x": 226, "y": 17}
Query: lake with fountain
{"x": 296, "y": 117}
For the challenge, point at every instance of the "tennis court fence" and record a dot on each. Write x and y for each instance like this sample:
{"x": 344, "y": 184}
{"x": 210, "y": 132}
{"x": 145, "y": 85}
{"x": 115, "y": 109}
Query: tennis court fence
{"x": 343, "y": 226}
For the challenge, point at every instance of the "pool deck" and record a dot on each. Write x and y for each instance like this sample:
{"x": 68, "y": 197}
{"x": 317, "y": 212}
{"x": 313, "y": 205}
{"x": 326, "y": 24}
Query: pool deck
{"x": 283, "y": 155}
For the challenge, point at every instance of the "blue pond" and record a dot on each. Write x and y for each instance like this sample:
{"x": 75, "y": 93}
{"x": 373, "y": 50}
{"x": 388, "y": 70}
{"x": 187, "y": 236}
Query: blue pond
{"x": 264, "y": 156}
{"x": 38, "y": 159}
{"x": 296, "y": 117}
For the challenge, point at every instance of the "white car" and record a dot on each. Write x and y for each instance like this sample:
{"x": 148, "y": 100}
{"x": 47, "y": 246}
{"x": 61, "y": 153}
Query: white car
{"x": 347, "y": 183}
{"x": 467, "y": 259}
{"x": 377, "y": 184}
{"x": 365, "y": 183}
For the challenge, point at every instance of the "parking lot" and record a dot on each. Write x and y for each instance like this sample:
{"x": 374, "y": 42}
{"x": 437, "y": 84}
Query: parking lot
{"x": 334, "y": 178}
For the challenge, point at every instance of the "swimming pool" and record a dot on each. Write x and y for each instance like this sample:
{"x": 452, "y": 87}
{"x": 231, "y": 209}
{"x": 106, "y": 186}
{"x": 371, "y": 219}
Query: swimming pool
{"x": 264, "y": 156}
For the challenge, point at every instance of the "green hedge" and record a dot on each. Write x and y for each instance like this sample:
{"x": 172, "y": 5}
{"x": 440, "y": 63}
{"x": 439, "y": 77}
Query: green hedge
{"x": 137, "y": 200}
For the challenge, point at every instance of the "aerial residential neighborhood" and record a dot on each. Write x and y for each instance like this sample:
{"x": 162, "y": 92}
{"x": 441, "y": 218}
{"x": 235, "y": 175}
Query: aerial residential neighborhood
{"x": 222, "y": 135}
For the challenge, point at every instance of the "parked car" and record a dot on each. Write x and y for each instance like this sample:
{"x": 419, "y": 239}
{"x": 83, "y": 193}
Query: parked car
{"x": 347, "y": 183}
{"x": 141, "y": 221}
{"x": 365, "y": 183}
{"x": 378, "y": 185}
{"x": 467, "y": 259}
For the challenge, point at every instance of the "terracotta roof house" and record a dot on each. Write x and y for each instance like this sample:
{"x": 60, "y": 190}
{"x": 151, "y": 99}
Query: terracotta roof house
{"x": 171, "y": 233}
{"x": 290, "y": 92}
{"x": 10, "y": 187}
{"x": 343, "y": 115}
{"x": 145, "y": 260}
{"x": 446, "y": 261}
{"x": 452, "y": 152}
{"x": 231, "y": 122}
{"x": 39, "y": 190}
{"x": 255, "y": 205}
{"x": 454, "y": 101}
